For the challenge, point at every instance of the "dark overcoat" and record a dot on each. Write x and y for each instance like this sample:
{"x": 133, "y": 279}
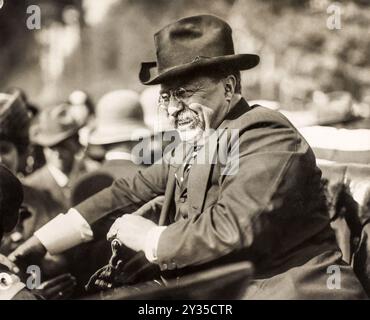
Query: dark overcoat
{"x": 271, "y": 212}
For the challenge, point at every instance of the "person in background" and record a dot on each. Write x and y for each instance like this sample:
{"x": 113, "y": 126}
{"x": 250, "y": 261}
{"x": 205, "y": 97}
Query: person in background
{"x": 35, "y": 209}
{"x": 11, "y": 198}
{"x": 56, "y": 130}
{"x": 82, "y": 106}
{"x": 12, "y": 280}
{"x": 14, "y": 142}
{"x": 83, "y": 110}
{"x": 35, "y": 157}
{"x": 118, "y": 115}
{"x": 119, "y": 126}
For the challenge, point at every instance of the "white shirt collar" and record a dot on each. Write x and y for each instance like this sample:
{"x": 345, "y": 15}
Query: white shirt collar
{"x": 60, "y": 178}
{"x": 118, "y": 155}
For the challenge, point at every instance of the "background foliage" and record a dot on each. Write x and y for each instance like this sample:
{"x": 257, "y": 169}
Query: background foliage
{"x": 299, "y": 53}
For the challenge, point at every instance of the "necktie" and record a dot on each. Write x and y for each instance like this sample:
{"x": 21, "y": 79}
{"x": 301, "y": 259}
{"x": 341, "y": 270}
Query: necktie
{"x": 184, "y": 175}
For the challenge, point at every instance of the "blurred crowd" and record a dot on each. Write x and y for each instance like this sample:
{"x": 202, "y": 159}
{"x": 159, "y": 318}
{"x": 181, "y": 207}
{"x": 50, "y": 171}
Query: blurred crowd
{"x": 65, "y": 153}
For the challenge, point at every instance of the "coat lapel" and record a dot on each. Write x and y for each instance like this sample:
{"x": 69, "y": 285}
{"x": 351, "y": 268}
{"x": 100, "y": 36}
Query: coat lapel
{"x": 168, "y": 198}
{"x": 200, "y": 172}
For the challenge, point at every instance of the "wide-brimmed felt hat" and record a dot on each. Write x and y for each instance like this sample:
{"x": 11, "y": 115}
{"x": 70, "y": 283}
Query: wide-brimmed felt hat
{"x": 191, "y": 44}
{"x": 54, "y": 125}
{"x": 119, "y": 118}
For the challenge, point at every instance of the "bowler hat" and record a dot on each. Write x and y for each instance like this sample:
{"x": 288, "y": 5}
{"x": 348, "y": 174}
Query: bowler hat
{"x": 119, "y": 118}
{"x": 54, "y": 125}
{"x": 11, "y": 198}
{"x": 194, "y": 43}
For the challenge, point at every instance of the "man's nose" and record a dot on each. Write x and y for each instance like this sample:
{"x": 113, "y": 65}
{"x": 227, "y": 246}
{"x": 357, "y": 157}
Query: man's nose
{"x": 174, "y": 107}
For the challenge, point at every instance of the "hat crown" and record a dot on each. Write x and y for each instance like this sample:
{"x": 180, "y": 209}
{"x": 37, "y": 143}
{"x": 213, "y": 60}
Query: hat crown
{"x": 192, "y": 38}
{"x": 119, "y": 115}
{"x": 54, "y": 125}
{"x": 57, "y": 120}
{"x": 118, "y": 107}
{"x": 194, "y": 45}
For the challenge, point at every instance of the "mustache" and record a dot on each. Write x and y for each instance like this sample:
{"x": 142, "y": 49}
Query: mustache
{"x": 187, "y": 115}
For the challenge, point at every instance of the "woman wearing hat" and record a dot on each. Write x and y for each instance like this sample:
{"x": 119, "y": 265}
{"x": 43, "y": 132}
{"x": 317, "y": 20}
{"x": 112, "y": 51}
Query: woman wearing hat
{"x": 35, "y": 208}
{"x": 14, "y": 142}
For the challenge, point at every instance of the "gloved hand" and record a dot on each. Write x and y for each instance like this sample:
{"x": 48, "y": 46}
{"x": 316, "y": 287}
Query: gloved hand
{"x": 58, "y": 288}
{"x": 104, "y": 278}
{"x": 28, "y": 253}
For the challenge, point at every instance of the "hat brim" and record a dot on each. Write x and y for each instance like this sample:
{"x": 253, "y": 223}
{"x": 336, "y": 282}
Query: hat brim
{"x": 233, "y": 62}
{"x": 52, "y": 139}
{"x": 122, "y": 133}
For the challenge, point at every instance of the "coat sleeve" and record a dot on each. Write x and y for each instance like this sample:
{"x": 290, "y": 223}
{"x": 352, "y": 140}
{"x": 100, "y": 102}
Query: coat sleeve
{"x": 276, "y": 170}
{"x": 126, "y": 194}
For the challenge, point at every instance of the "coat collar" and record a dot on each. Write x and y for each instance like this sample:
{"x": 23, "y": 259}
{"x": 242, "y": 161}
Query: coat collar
{"x": 240, "y": 108}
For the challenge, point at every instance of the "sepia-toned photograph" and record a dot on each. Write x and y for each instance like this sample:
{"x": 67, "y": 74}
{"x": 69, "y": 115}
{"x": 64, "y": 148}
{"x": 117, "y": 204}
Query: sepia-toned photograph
{"x": 184, "y": 150}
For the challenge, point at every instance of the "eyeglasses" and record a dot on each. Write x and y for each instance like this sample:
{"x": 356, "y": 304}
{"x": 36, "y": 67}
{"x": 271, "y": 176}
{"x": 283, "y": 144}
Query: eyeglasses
{"x": 179, "y": 94}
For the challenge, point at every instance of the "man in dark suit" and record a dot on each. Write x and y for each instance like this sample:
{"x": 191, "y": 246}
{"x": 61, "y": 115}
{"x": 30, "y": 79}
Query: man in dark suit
{"x": 56, "y": 131}
{"x": 263, "y": 204}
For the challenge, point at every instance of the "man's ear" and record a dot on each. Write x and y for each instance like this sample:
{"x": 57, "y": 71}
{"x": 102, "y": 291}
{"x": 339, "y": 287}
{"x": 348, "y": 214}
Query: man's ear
{"x": 229, "y": 86}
